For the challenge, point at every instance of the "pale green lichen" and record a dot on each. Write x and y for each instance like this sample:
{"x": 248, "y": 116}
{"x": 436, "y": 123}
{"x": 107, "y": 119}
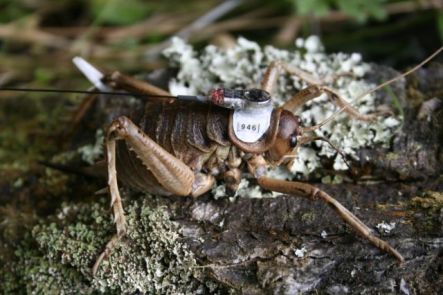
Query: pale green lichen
{"x": 385, "y": 228}
{"x": 243, "y": 66}
{"x": 57, "y": 257}
{"x": 90, "y": 153}
{"x": 244, "y": 190}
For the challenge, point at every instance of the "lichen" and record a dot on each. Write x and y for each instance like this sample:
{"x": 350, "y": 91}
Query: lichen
{"x": 385, "y": 228}
{"x": 56, "y": 258}
{"x": 300, "y": 253}
{"x": 243, "y": 66}
{"x": 244, "y": 190}
{"x": 90, "y": 153}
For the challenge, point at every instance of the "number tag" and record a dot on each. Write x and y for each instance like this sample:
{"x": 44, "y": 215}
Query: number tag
{"x": 249, "y": 125}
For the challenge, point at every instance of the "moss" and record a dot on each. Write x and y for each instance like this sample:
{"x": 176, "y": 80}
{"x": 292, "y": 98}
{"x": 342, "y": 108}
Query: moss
{"x": 431, "y": 200}
{"x": 36, "y": 120}
{"x": 427, "y": 211}
{"x": 308, "y": 217}
{"x": 56, "y": 257}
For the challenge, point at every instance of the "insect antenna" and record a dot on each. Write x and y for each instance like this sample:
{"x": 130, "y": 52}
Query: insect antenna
{"x": 307, "y": 139}
{"x": 348, "y": 104}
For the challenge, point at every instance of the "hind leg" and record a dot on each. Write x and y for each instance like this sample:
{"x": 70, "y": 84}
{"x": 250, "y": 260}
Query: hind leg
{"x": 172, "y": 174}
{"x": 311, "y": 192}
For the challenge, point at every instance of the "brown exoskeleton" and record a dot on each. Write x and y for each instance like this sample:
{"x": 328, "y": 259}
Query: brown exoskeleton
{"x": 175, "y": 147}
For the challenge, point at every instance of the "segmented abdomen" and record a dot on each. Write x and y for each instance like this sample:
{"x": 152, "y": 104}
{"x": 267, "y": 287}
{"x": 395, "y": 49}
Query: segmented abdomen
{"x": 190, "y": 131}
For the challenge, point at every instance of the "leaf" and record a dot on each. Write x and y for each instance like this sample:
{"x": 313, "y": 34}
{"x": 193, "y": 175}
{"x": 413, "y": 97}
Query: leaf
{"x": 440, "y": 24}
{"x": 315, "y": 7}
{"x": 12, "y": 10}
{"x": 361, "y": 10}
{"x": 43, "y": 75}
{"x": 119, "y": 12}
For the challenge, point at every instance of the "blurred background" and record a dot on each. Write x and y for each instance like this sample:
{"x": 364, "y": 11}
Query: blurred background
{"x": 38, "y": 39}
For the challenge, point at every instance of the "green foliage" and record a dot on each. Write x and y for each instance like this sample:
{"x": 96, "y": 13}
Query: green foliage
{"x": 43, "y": 75}
{"x": 315, "y": 7}
{"x": 119, "y": 12}
{"x": 440, "y": 24}
{"x": 361, "y": 10}
{"x": 12, "y": 10}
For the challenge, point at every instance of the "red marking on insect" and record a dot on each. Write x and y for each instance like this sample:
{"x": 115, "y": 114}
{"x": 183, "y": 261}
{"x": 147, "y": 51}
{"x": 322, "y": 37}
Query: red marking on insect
{"x": 217, "y": 96}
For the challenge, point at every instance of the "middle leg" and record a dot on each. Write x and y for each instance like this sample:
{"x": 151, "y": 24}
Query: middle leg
{"x": 118, "y": 80}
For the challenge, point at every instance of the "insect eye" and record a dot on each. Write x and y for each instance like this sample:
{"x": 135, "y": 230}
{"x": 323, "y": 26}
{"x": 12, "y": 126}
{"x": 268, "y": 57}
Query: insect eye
{"x": 293, "y": 141}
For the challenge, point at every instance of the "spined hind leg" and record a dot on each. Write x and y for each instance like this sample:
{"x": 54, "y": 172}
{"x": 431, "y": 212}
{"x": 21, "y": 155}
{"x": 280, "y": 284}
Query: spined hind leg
{"x": 172, "y": 174}
{"x": 311, "y": 192}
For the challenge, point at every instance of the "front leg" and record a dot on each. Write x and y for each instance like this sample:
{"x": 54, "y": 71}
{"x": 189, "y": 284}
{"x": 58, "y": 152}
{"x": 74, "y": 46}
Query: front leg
{"x": 78, "y": 115}
{"x": 311, "y": 192}
{"x": 315, "y": 89}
